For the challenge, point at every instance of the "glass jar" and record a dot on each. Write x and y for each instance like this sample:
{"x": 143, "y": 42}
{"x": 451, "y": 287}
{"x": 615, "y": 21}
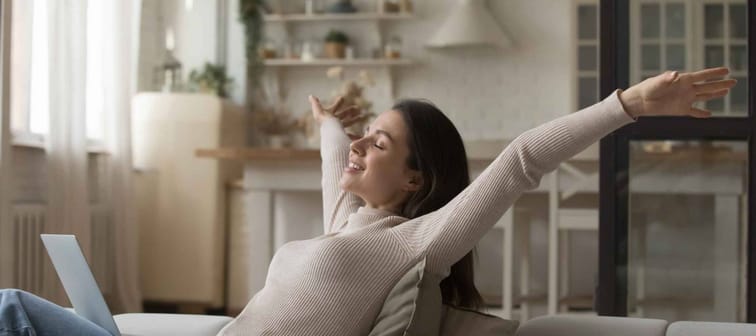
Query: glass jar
{"x": 268, "y": 49}
{"x": 393, "y": 48}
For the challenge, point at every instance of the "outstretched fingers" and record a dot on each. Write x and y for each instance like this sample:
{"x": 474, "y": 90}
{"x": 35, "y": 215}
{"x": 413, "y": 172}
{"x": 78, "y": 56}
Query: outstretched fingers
{"x": 712, "y": 95}
{"x": 353, "y": 120}
{"x": 345, "y": 112}
{"x": 314, "y": 102}
{"x": 714, "y": 86}
{"x": 336, "y": 104}
{"x": 699, "y": 113}
{"x": 709, "y": 74}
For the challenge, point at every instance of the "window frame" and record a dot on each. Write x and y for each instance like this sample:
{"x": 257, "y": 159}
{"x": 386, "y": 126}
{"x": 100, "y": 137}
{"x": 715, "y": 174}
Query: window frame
{"x": 614, "y": 159}
{"x": 579, "y": 74}
{"x": 22, "y": 135}
{"x": 694, "y": 39}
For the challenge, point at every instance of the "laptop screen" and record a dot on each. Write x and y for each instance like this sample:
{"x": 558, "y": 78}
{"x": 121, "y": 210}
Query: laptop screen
{"x": 78, "y": 280}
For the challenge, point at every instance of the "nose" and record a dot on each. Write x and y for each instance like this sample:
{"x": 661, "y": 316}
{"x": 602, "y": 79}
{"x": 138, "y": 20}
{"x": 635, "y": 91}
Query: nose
{"x": 356, "y": 146}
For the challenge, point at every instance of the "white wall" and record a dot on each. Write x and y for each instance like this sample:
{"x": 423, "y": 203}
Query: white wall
{"x": 151, "y": 45}
{"x": 489, "y": 94}
{"x": 195, "y": 31}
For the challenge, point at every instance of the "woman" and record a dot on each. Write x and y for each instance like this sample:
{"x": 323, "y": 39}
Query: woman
{"x": 402, "y": 196}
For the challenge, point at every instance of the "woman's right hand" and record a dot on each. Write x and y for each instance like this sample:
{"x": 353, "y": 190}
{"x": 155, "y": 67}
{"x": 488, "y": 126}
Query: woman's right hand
{"x": 347, "y": 116}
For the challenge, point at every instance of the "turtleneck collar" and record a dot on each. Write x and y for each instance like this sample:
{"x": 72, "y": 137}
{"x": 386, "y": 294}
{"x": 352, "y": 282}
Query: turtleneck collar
{"x": 363, "y": 210}
{"x": 366, "y": 216}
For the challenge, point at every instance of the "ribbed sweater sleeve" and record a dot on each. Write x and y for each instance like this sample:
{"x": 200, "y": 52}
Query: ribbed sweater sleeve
{"x": 446, "y": 235}
{"x": 334, "y": 152}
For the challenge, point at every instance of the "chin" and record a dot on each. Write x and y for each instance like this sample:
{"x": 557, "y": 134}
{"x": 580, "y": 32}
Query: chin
{"x": 350, "y": 188}
{"x": 345, "y": 185}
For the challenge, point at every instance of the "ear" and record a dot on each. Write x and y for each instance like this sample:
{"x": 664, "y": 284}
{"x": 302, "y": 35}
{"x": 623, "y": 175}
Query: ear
{"x": 415, "y": 181}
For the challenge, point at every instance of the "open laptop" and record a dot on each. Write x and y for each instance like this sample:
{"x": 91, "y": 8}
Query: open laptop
{"x": 78, "y": 281}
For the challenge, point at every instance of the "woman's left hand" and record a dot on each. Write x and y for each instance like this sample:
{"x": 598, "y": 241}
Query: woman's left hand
{"x": 673, "y": 93}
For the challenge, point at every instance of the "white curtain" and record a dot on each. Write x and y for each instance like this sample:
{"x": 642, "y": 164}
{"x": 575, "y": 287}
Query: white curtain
{"x": 106, "y": 57}
{"x": 120, "y": 82}
{"x": 6, "y": 230}
{"x": 68, "y": 208}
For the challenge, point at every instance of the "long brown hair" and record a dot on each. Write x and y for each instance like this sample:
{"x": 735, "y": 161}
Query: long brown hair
{"x": 437, "y": 151}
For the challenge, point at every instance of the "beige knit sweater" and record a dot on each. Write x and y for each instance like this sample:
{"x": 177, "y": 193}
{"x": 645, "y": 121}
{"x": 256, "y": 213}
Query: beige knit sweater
{"x": 335, "y": 284}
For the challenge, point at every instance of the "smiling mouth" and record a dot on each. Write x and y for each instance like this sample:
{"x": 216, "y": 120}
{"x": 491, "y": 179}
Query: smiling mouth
{"x": 355, "y": 166}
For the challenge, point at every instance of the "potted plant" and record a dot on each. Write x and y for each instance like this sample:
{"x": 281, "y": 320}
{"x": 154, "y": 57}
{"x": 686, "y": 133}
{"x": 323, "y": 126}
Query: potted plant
{"x": 212, "y": 78}
{"x": 335, "y": 44}
{"x": 277, "y": 125}
{"x": 251, "y": 16}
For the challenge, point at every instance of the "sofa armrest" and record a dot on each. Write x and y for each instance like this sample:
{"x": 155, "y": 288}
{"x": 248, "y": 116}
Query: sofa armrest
{"x": 689, "y": 328}
{"x": 563, "y": 325}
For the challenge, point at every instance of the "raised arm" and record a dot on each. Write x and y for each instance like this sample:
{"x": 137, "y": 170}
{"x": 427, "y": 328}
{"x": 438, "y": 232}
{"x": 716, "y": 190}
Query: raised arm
{"x": 446, "y": 235}
{"x": 334, "y": 152}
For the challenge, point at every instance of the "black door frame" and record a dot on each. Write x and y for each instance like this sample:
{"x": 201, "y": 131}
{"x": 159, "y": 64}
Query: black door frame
{"x": 614, "y": 161}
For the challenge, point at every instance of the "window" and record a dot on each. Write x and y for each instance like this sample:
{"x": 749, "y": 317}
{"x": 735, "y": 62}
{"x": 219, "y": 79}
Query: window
{"x": 724, "y": 44}
{"x": 663, "y": 38}
{"x": 687, "y": 35}
{"x": 30, "y": 113}
{"x": 587, "y": 53}
{"x": 95, "y": 94}
{"x": 677, "y": 192}
{"x": 39, "y": 95}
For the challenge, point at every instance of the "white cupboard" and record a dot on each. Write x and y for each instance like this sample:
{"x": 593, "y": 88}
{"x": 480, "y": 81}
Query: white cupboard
{"x": 180, "y": 197}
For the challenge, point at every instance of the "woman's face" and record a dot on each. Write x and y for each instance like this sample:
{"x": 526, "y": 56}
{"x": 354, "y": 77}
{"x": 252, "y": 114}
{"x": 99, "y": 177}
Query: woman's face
{"x": 377, "y": 170}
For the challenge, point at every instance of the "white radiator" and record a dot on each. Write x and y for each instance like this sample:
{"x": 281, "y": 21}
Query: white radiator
{"x": 28, "y": 224}
{"x": 29, "y": 221}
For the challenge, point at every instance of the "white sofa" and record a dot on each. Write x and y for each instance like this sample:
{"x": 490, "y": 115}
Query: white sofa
{"x": 170, "y": 324}
{"x": 556, "y": 325}
{"x": 562, "y": 325}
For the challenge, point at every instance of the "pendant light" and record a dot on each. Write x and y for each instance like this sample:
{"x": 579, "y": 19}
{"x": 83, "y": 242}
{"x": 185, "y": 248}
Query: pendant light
{"x": 470, "y": 24}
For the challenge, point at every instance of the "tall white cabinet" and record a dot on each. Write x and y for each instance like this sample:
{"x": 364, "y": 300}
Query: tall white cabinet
{"x": 180, "y": 197}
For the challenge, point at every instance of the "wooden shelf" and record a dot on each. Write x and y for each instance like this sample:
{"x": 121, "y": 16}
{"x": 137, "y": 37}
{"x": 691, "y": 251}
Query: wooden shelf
{"x": 378, "y": 20}
{"x": 336, "y": 17}
{"x": 338, "y": 62}
{"x": 259, "y": 154}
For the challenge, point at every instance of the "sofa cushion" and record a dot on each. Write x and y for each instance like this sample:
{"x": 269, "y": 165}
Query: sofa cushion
{"x": 687, "y": 328}
{"x": 414, "y": 307}
{"x": 560, "y": 325}
{"x": 396, "y": 313}
{"x": 170, "y": 324}
{"x": 460, "y": 321}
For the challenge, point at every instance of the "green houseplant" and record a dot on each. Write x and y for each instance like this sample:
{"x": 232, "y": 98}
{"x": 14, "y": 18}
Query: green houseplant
{"x": 251, "y": 16}
{"x": 212, "y": 78}
{"x": 335, "y": 44}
